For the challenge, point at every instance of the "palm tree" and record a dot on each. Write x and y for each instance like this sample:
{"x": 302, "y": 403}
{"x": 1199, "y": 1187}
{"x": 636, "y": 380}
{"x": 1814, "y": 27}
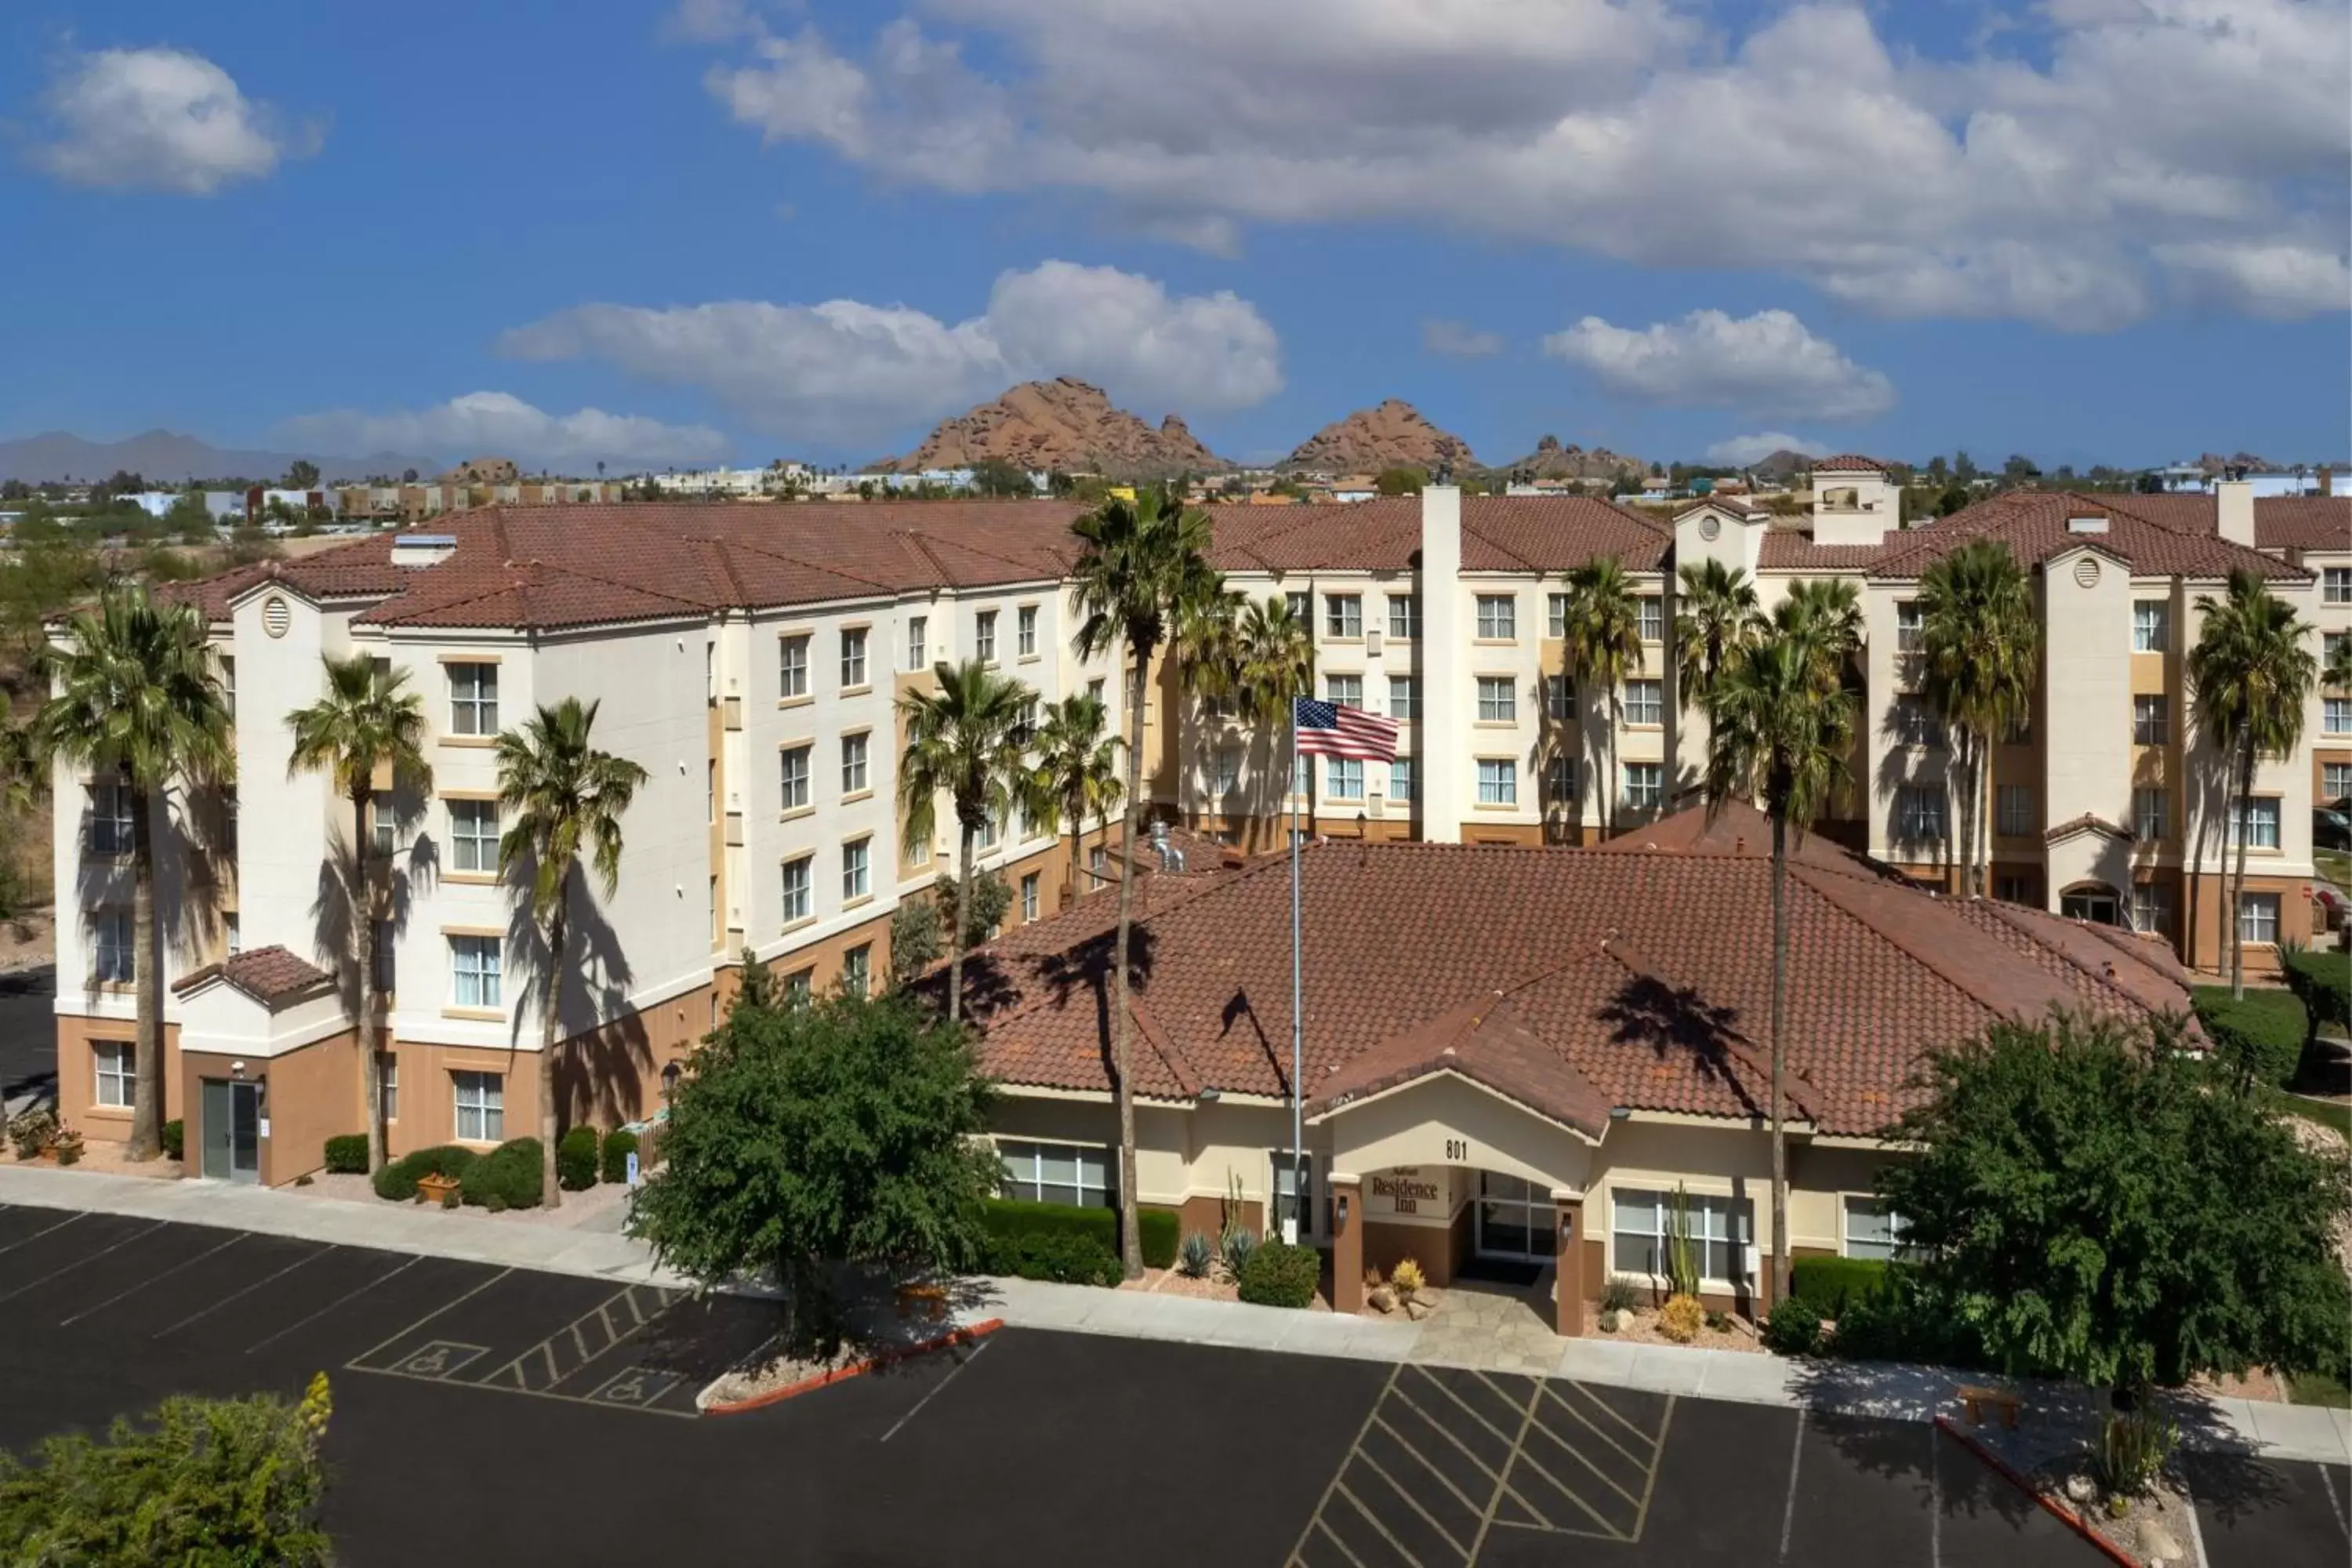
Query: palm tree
{"x": 1142, "y": 568}
{"x": 969, "y": 741}
{"x": 1980, "y": 654}
{"x": 1602, "y": 645}
{"x": 2252, "y": 670}
{"x": 1825, "y": 613}
{"x": 138, "y": 696}
{"x": 2336, "y": 674}
{"x": 1274, "y": 662}
{"x": 1077, "y": 770}
{"x": 21, "y": 776}
{"x": 1716, "y": 618}
{"x": 565, "y": 798}
{"x": 1780, "y": 738}
{"x": 365, "y": 722}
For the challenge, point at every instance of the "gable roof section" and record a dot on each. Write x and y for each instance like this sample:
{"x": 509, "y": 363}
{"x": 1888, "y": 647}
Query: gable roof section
{"x": 270, "y": 975}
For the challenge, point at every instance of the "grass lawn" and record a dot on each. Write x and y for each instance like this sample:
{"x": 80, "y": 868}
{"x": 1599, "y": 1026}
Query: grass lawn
{"x": 2327, "y": 1113}
{"x": 2317, "y": 1388}
{"x": 2335, "y": 864}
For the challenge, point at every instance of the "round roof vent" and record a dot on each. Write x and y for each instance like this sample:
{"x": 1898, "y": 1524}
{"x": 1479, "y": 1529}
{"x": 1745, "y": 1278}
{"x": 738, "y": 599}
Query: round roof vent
{"x": 276, "y": 616}
{"x": 2086, "y": 571}
{"x": 1709, "y": 526}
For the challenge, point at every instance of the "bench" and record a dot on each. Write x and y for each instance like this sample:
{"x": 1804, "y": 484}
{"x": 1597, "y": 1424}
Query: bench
{"x": 1975, "y": 1401}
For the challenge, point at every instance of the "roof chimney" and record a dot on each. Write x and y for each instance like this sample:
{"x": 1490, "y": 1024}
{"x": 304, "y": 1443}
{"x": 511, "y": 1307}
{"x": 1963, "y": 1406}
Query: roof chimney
{"x": 2234, "y": 502}
{"x": 2326, "y": 480}
{"x": 1442, "y": 725}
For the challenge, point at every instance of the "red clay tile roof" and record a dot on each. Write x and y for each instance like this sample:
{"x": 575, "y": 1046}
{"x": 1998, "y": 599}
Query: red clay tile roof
{"x": 1499, "y": 533}
{"x": 1847, "y": 463}
{"x": 267, "y": 975}
{"x": 2032, "y": 523}
{"x": 1635, "y": 968}
{"x": 2090, "y": 821}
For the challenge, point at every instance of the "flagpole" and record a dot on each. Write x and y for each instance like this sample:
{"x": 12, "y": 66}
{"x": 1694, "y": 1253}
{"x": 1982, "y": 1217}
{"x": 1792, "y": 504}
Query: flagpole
{"x": 1297, "y": 1022}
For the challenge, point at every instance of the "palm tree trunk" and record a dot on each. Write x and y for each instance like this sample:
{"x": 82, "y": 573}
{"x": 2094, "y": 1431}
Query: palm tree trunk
{"x": 2194, "y": 875}
{"x": 558, "y": 936}
{"x": 2237, "y": 895}
{"x": 1077, "y": 815}
{"x": 1609, "y": 785}
{"x": 956, "y": 895}
{"x": 363, "y": 1023}
{"x": 1131, "y": 1243}
{"x": 1780, "y": 1056}
{"x": 147, "y": 989}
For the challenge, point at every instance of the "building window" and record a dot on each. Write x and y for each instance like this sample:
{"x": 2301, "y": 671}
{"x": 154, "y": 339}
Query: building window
{"x": 1872, "y": 1229}
{"x": 1498, "y": 782}
{"x": 1057, "y": 1173}
{"x": 228, "y": 684}
{"x": 2258, "y": 918}
{"x": 109, "y": 818}
{"x": 474, "y": 970}
{"x": 2016, "y": 818}
{"x": 1300, "y": 609}
{"x": 111, "y": 962}
{"x": 983, "y": 640}
{"x": 1915, "y": 723}
{"x": 2335, "y": 585}
{"x": 1560, "y": 696}
{"x": 1094, "y": 688}
{"x": 474, "y": 834}
{"x": 1404, "y": 614}
{"x": 383, "y": 824}
{"x": 1401, "y": 779}
{"x": 1919, "y": 813}
{"x": 793, "y": 666}
{"x": 1906, "y": 626}
{"x": 1343, "y": 615}
{"x": 2257, "y": 820}
{"x": 1302, "y": 774}
{"x": 1029, "y": 897}
{"x": 1555, "y": 614}
{"x": 800, "y": 898}
{"x": 388, "y": 1081}
{"x": 2335, "y": 716}
{"x": 2010, "y": 888}
{"x": 2151, "y": 625}
{"x": 117, "y": 1075}
{"x": 795, "y": 776}
{"x": 1405, "y": 697}
{"x": 2328, "y": 643}
{"x": 473, "y": 699}
{"x": 1559, "y": 781}
{"x": 1498, "y": 700}
{"x": 1645, "y": 703}
{"x": 1343, "y": 778}
{"x": 1498, "y": 616}
{"x": 857, "y": 970}
{"x": 2335, "y": 781}
{"x": 481, "y": 1107}
{"x": 1719, "y": 1227}
{"x": 232, "y": 934}
{"x": 1099, "y": 865}
{"x": 387, "y": 955}
{"x": 2148, "y": 813}
{"x": 1346, "y": 690}
{"x": 2151, "y": 908}
{"x": 800, "y": 986}
{"x": 852, "y": 657}
{"x": 2151, "y": 722}
{"x": 986, "y": 832}
{"x": 1227, "y": 776}
{"x": 852, "y": 764}
{"x": 1650, "y": 617}
{"x": 857, "y": 870}
{"x": 1646, "y": 786}
{"x": 1024, "y": 631}
{"x": 917, "y": 641}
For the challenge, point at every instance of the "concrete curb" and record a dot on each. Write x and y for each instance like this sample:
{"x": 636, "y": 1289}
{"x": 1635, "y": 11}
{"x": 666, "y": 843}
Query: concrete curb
{"x": 979, "y": 1330}
{"x": 2059, "y": 1508}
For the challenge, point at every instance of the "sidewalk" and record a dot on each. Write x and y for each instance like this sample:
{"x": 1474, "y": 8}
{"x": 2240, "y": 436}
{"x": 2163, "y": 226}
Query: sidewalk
{"x": 1893, "y": 1392}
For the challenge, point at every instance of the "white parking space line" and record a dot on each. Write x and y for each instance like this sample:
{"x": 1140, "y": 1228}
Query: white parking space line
{"x": 346, "y": 1296}
{"x": 43, "y": 1231}
{"x": 248, "y": 1290}
{"x": 934, "y": 1392}
{"x": 150, "y": 1280}
{"x": 396, "y": 1336}
{"x": 1796, "y": 1457}
{"x": 91, "y": 1257}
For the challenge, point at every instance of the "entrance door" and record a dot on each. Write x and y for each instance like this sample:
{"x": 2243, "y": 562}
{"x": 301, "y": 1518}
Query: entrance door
{"x": 1314, "y": 1215}
{"x": 1515, "y": 1219}
{"x": 232, "y": 1131}
{"x": 2098, "y": 908}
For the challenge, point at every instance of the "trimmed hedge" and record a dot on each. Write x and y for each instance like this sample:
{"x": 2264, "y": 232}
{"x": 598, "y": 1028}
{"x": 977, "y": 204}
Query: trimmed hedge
{"x": 397, "y": 1181}
{"x": 1281, "y": 1275}
{"x": 2257, "y": 1039}
{"x": 1162, "y": 1234}
{"x": 175, "y": 1137}
{"x": 1794, "y": 1328}
{"x": 612, "y": 1163}
{"x": 2322, "y": 981}
{"x": 1828, "y": 1285}
{"x": 508, "y": 1177}
{"x": 1065, "y": 1258}
{"x": 575, "y": 1160}
{"x": 347, "y": 1155}
{"x": 1162, "y": 1229}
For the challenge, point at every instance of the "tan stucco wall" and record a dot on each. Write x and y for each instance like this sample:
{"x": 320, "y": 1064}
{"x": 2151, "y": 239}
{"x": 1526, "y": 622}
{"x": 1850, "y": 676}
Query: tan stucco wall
{"x": 77, "y": 1077}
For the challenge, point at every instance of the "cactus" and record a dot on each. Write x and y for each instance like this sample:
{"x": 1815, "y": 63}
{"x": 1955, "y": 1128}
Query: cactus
{"x": 1682, "y": 1253}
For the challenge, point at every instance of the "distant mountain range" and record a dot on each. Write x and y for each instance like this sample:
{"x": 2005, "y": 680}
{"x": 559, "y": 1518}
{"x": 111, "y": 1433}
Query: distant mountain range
{"x": 162, "y": 457}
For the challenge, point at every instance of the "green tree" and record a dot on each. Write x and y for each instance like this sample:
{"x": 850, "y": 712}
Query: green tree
{"x": 301, "y": 474}
{"x": 1602, "y": 645}
{"x": 1825, "y": 614}
{"x": 1717, "y": 617}
{"x": 1979, "y": 658}
{"x": 1778, "y": 736}
{"x": 1274, "y": 661}
{"x": 1142, "y": 567}
{"x": 1400, "y": 481}
{"x": 566, "y": 799}
{"x": 2250, "y": 671}
{"x": 2085, "y": 1204}
{"x": 968, "y": 740}
{"x": 138, "y": 698}
{"x": 847, "y": 1130}
{"x": 366, "y": 720}
{"x": 996, "y": 477}
{"x": 210, "y": 1482}
{"x": 1077, "y": 775}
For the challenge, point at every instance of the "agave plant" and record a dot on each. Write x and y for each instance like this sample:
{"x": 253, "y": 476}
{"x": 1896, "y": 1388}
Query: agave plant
{"x": 1195, "y": 1256}
{"x": 1234, "y": 1249}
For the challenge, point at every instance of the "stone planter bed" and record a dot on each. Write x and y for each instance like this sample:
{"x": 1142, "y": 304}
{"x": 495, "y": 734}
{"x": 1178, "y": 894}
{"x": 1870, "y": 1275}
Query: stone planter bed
{"x": 106, "y": 1155}
{"x": 1640, "y": 1326}
{"x": 2053, "y": 1454}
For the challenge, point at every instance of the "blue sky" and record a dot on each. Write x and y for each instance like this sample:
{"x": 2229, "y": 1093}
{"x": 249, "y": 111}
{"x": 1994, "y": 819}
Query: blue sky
{"x": 570, "y": 229}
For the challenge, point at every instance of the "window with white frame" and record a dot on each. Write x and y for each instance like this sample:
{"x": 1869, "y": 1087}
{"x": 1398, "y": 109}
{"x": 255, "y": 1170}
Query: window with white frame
{"x": 2328, "y": 643}
{"x": 1919, "y": 813}
{"x": 1029, "y": 897}
{"x": 1908, "y": 625}
{"x": 110, "y": 949}
{"x": 1405, "y": 697}
{"x": 1057, "y": 1173}
{"x": 1300, "y": 608}
{"x": 799, "y": 889}
{"x": 1650, "y": 617}
{"x": 474, "y": 980}
{"x": 383, "y": 824}
{"x": 109, "y": 817}
{"x": 2258, "y": 918}
{"x": 1498, "y": 782}
{"x": 794, "y": 776}
{"x": 473, "y": 699}
{"x": 228, "y": 683}
{"x": 2335, "y": 716}
{"x": 1401, "y": 779}
{"x": 1915, "y": 723}
{"x": 1555, "y": 614}
{"x": 114, "y": 1062}
{"x": 919, "y": 630}
{"x": 1343, "y": 615}
{"x": 852, "y": 657}
{"x": 1560, "y": 696}
{"x": 2150, "y": 811}
{"x": 857, "y": 970}
{"x": 1645, "y": 703}
{"x": 1646, "y": 786}
{"x": 983, "y": 636}
{"x": 482, "y": 1099}
{"x": 852, "y": 764}
{"x": 1559, "y": 781}
{"x": 1302, "y": 774}
{"x": 857, "y": 870}
{"x": 800, "y": 986}
{"x": 2257, "y": 821}
{"x": 986, "y": 832}
{"x": 1227, "y": 774}
{"x": 1024, "y": 631}
{"x": 1872, "y": 1229}
{"x": 1404, "y": 614}
{"x": 1498, "y": 700}
{"x": 2151, "y": 908}
{"x": 2335, "y": 781}
{"x": 232, "y": 934}
{"x": 1343, "y": 778}
{"x": 2151, "y": 625}
{"x": 1498, "y": 616}
{"x": 387, "y": 958}
{"x": 387, "y": 1082}
{"x": 2151, "y": 719}
{"x": 474, "y": 836}
{"x": 2015, "y": 810}
{"x": 793, "y": 666}
{"x": 1719, "y": 1227}
{"x": 2335, "y": 585}
{"x": 1344, "y": 690}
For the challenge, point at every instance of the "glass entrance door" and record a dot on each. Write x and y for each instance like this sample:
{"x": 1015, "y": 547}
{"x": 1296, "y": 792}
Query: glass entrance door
{"x": 1515, "y": 1219}
{"x": 232, "y": 1131}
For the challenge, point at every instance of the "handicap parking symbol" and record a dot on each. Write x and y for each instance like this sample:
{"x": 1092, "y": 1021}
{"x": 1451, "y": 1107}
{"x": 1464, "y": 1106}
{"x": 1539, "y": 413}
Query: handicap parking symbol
{"x": 635, "y": 1385}
{"x": 438, "y": 1359}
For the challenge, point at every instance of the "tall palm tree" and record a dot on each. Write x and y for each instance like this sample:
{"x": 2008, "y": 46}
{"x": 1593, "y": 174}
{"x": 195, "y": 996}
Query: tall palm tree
{"x": 1979, "y": 654}
{"x": 1601, "y": 645}
{"x": 2253, "y": 669}
{"x": 21, "y": 776}
{"x": 2336, "y": 674}
{"x": 137, "y": 694}
{"x": 969, "y": 741}
{"x": 1825, "y": 614}
{"x": 1078, "y": 774}
{"x": 1780, "y": 738}
{"x": 365, "y": 721}
{"x": 1274, "y": 662}
{"x": 1142, "y": 569}
{"x": 565, "y": 798}
{"x": 1717, "y": 618}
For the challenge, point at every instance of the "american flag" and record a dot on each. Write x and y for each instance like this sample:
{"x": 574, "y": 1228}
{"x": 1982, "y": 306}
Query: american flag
{"x": 1328, "y": 730}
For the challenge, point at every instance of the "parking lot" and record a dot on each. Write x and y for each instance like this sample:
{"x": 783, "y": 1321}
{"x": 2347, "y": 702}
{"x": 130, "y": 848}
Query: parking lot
{"x": 482, "y": 1412}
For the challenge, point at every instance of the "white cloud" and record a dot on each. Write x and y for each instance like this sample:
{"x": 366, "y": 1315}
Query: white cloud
{"x": 2283, "y": 281}
{"x": 1458, "y": 339}
{"x": 501, "y": 424}
{"x": 2023, "y": 177}
{"x": 1766, "y": 363}
{"x": 1738, "y": 451}
{"x": 159, "y": 119}
{"x": 844, "y": 371}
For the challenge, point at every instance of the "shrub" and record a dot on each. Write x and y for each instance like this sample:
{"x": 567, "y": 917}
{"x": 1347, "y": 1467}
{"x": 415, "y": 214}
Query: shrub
{"x": 1279, "y": 1274}
{"x": 1619, "y": 1294}
{"x": 2322, "y": 981}
{"x": 1159, "y": 1230}
{"x": 1065, "y": 1258}
{"x": 175, "y": 1138}
{"x": 1681, "y": 1318}
{"x": 2257, "y": 1037}
{"x": 576, "y": 1159}
{"x": 612, "y": 1163}
{"x": 397, "y": 1181}
{"x": 2133, "y": 1448}
{"x": 1194, "y": 1258}
{"x": 1011, "y": 1219}
{"x": 30, "y": 1132}
{"x": 347, "y": 1155}
{"x": 1234, "y": 1249}
{"x": 508, "y": 1177}
{"x": 1832, "y": 1284}
{"x": 1408, "y": 1278}
{"x": 1794, "y": 1328}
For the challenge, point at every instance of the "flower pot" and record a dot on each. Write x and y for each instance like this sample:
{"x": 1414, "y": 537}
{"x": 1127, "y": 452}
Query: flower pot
{"x": 438, "y": 1189}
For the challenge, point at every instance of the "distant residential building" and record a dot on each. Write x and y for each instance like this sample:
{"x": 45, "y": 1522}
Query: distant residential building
{"x": 407, "y": 502}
